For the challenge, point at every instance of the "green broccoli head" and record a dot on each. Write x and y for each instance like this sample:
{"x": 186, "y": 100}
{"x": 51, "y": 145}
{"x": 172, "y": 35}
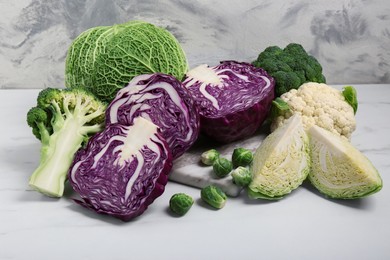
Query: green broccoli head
{"x": 290, "y": 67}
{"x": 62, "y": 120}
{"x": 295, "y": 49}
{"x": 287, "y": 80}
{"x": 270, "y": 52}
{"x": 47, "y": 96}
{"x": 54, "y": 106}
{"x": 91, "y": 104}
{"x": 38, "y": 120}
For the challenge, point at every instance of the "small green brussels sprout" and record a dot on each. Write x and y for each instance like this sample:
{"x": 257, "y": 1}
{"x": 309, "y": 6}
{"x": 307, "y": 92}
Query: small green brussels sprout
{"x": 209, "y": 157}
{"x": 222, "y": 167}
{"x": 213, "y": 196}
{"x": 241, "y": 157}
{"x": 242, "y": 176}
{"x": 180, "y": 203}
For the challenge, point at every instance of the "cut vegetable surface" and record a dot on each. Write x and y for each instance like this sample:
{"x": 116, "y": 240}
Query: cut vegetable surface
{"x": 339, "y": 170}
{"x": 122, "y": 170}
{"x": 62, "y": 120}
{"x": 233, "y": 98}
{"x": 161, "y": 99}
{"x": 282, "y": 161}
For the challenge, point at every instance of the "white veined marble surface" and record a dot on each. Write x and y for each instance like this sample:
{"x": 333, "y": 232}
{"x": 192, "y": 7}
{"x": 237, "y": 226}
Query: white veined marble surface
{"x": 303, "y": 225}
{"x": 350, "y": 38}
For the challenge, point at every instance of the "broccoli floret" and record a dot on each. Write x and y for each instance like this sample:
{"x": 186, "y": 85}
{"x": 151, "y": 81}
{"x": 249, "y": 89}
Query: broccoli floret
{"x": 295, "y": 49}
{"x": 289, "y": 80}
{"x": 290, "y": 67}
{"x": 38, "y": 119}
{"x": 269, "y": 52}
{"x": 62, "y": 120}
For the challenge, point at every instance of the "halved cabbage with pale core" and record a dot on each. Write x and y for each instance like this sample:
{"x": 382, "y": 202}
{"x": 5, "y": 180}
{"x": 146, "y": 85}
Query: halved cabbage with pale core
{"x": 339, "y": 170}
{"x": 122, "y": 170}
{"x": 282, "y": 161}
{"x": 233, "y": 98}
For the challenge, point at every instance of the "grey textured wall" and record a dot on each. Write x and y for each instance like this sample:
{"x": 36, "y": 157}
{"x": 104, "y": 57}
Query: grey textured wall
{"x": 351, "y": 38}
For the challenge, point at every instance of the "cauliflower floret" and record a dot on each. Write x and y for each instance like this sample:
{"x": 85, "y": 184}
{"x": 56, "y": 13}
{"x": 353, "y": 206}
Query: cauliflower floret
{"x": 321, "y": 105}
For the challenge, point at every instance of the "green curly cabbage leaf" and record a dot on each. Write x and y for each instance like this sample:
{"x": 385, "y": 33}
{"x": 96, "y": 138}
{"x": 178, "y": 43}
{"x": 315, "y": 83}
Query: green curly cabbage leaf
{"x": 104, "y": 59}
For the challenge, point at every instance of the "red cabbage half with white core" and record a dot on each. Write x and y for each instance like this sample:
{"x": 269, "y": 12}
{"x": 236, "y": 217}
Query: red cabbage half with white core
{"x": 122, "y": 170}
{"x": 163, "y": 100}
{"x": 233, "y": 98}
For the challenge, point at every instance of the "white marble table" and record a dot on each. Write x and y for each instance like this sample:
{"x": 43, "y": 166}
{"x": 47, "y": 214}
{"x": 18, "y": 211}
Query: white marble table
{"x": 304, "y": 225}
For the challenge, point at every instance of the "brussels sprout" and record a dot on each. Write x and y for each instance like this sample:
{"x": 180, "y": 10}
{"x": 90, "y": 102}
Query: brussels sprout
{"x": 241, "y": 157}
{"x": 222, "y": 167}
{"x": 213, "y": 196}
{"x": 209, "y": 157}
{"x": 242, "y": 176}
{"x": 180, "y": 203}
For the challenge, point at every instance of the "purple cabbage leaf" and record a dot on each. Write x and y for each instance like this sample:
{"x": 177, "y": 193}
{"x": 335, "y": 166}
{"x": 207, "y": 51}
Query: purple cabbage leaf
{"x": 233, "y": 98}
{"x": 122, "y": 170}
{"x": 163, "y": 100}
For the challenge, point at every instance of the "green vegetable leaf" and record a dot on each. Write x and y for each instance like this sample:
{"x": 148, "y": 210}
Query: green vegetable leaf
{"x": 350, "y": 96}
{"x": 104, "y": 59}
{"x": 279, "y": 107}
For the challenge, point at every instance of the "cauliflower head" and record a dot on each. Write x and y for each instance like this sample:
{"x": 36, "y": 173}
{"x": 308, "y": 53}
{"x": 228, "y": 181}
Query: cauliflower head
{"x": 321, "y": 105}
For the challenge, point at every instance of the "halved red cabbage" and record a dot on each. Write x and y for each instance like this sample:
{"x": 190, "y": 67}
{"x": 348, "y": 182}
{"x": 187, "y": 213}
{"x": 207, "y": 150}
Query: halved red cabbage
{"x": 122, "y": 170}
{"x": 163, "y": 100}
{"x": 233, "y": 98}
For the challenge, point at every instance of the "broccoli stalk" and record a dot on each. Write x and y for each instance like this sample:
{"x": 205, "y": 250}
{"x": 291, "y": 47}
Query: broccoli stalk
{"x": 62, "y": 121}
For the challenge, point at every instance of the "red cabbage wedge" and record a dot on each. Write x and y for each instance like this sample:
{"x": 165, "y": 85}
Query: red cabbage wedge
{"x": 122, "y": 170}
{"x": 163, "y": 100}
{"x": 233, "y": 98}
